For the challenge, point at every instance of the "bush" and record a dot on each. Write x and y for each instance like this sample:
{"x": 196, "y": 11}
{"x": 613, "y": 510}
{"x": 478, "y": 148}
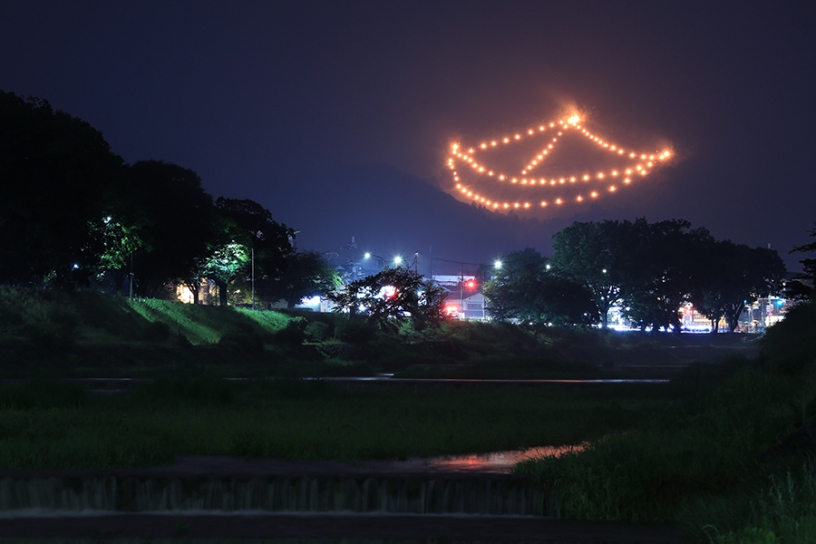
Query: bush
{"x": 791, "y": 345}
{"x": 318, "y": 331}
{"x": 356, "y": 331}
{"x": 293, "y": 334}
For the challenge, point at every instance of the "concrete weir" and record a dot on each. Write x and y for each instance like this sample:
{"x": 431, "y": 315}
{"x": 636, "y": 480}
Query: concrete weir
{"x": 393, "y": 494}
{"x": 222, "y": 498}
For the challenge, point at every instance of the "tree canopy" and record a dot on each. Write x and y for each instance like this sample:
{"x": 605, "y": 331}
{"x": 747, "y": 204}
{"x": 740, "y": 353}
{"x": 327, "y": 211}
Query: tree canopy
{"x": 525, "y": 289}
{"x": 306, "y": 274}
{"x": 650, "y": 269}
{"x": 58, "y": 174}
{"x": 392, "y": 297}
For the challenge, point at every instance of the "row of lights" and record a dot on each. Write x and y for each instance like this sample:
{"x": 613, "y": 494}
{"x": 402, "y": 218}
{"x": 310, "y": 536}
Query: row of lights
{"x": 648, "y": 162}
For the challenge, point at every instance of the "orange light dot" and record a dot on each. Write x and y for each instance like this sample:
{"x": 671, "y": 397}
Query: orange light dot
{"x": 506, "y": 140}
{"x": 580, "y": 198}
{"x": 593, "y": 194}
{"x": 501, "y": 177}
{"x": 493, "y": 143}
{"x": 483, "y": 146}
{"x": 558, "y": 201}
{"x": 517, "y": 136}
{"x": 526, "y": 204}
{"x": 627, "y": 180}
{"x": 543, "y": 203}
{"x": 632, "y": 155}
{"x": 586, "y": 177}
{"x": 612, "y": 188}
{"x": 600, "y": 175}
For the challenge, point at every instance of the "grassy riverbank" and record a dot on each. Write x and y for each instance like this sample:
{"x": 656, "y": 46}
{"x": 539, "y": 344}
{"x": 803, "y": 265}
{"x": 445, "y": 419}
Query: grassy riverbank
{"x": 689, "y": 452}
{"x": 702, "y": 462}
{"x": 58, "y": 425}
{"x": 92, "y": 335}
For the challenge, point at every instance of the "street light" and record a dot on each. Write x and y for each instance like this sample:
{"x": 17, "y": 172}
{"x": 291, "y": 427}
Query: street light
{"x": 368, "y": 255}
{"x": 497, "y": 264}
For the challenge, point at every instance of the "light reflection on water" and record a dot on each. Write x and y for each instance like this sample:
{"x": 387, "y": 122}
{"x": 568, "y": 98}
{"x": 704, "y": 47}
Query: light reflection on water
{"x": 500, "y": 461}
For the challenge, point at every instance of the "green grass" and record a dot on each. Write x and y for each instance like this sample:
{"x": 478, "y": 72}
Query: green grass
{"x": 706, "y": 445}
{"x": 53, "y": 425}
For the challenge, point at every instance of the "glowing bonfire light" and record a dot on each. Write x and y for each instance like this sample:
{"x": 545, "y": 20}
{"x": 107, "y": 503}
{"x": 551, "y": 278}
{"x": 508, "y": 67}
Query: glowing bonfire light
{"x": 573, "y": 122}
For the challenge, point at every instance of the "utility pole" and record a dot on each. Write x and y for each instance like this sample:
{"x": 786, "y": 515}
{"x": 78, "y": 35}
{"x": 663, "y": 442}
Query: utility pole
{"x": 253, "y": 278}
{"x": 354, "y": 266}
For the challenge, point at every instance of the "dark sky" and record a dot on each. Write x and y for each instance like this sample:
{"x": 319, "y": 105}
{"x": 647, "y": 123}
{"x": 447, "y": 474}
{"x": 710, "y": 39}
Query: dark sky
{"x": 337, "y": 116}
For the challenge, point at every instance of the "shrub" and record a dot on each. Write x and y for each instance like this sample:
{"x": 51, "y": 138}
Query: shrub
{"x": 317, "y": 331}
{"x": 293, "y": 334}
{"x": 356, "y": 331}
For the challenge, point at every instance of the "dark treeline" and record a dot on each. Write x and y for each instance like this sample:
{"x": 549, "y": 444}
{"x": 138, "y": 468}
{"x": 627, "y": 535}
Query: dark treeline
{"x": 650, "y": 269}
{"x": 74, "y": 214}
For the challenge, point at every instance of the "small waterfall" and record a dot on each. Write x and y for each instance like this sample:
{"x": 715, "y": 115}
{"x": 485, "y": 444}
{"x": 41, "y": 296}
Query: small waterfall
{"x": 498, "y": 494}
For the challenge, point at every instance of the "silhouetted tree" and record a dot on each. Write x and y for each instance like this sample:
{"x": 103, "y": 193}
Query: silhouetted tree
{"x": 524, "y": 288}
{"x": 804, "y": 289}
{"x": 177, "y": 226}
{"x": 392, "y": 296}
{"x": 591, "y": 254}
{"x": 306, "y": 274}
{"x": 57, "y": 172}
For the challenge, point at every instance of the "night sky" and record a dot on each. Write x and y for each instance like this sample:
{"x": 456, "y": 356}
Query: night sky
{"x": 338, "y": 116}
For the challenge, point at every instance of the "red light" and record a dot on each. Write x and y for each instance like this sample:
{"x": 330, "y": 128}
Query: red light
{"x": 471, "y": 284}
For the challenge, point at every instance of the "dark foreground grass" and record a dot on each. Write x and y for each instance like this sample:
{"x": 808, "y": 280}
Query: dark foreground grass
{"x": 696, "y": 463}
{"x": 54, "y": 425}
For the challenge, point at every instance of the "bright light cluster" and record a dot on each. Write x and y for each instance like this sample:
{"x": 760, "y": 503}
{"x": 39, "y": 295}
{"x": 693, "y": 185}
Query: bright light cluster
{"x": 638, "y": 165}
